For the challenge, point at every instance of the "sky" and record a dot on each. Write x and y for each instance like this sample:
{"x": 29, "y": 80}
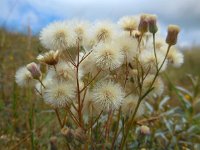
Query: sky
{"x": 16, "y": 15}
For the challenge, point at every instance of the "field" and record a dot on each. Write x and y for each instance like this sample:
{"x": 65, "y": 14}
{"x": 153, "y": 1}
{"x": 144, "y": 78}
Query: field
{"x": 25, "y": 121}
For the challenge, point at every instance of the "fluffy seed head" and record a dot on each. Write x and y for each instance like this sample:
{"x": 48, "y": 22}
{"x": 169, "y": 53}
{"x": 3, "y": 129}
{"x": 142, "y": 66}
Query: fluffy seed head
{"x": 128, "y": 46}
{"x": 158, "y": 86}
{"x": 104, "y": 31}
{"x": 67, "y": 70}
{"x": 128, "y": 23}
{"x": 147, "y": 59}
{"x": 23, "y": 77}
{"x": 175, "y": 57}
{"x": 129, "y": 105}
{"x": 58, "y": 94}
{"x": 108, "y": 56}
{"x": 108, "y": 95}
{"x": 57, "y": 36}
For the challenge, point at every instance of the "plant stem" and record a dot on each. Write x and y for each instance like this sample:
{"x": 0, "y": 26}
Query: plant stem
{"x": 58, "y": 116}
{"x": 141, "y": 98}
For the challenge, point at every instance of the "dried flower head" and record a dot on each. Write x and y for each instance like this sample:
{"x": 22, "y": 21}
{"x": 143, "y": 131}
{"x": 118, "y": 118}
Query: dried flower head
{"x": 108, "y": 56}
{"x": 57, "y": 36}
{"x": 172, "y": 34}
{"x": 49, "y": 58}
{"x": 34, "y": 70}
{"x": 58, "y": 94}
{"x": 23, "y": 77}
{"x": 143, "y": 25}
{"x": 108, "y": 95}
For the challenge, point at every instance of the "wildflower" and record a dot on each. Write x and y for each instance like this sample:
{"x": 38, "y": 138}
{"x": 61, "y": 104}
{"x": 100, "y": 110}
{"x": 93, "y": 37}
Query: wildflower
{"x": 129, "y": 105}
{"x": 175, "y": 57}
{"x": 108, "y": 94}
{"x": 23, "y": 77}
{"x": 39, "y": 87}
{"x": 49, "y": 58}
{"x": 129, "y": 47}
{"x": 57, "y": 36}
{"x": 104, "y": 31}
{"x": 80, "y": 28}
{"x": 90, "y": 107}
{"x": 34, "y": 70}
{"x": 145, "y": 130}
{"x": 108, "y": 56}
{"x": 152, "y": 24}
{"x": 148, "y": 60}
{"x": 58, "y": 93}
{"x": 172, "y": 34}
{"x": 128, "y": 23}
{"x": 66, "y": 71}
{"x": 158, "y": 85}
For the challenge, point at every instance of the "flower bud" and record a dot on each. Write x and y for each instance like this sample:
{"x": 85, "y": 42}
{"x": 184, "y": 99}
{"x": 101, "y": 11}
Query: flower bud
{"x": 34, "y": 70}
{"x": 79, "y": 135}
{"x": 173, "y": 31}
{"x": 53, "y": 142}
{"x": 68, "y": 133}
{"x": 143, "y": 25}
{"x": 145, "y": 130}
{"x": 152, "y": 24}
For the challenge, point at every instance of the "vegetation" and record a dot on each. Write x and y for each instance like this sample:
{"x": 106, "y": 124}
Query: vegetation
{"x": 26, "y": 122}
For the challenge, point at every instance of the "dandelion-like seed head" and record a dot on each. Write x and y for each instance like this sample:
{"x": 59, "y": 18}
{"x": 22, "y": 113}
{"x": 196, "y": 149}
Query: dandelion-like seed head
{"x": 57, "y": 36}
{"x": 80, "y": 28}
{"x": 148, "y": 60}
{"x": 23, "y": 77}
{"x": 66, "y": 71}
{"x": 175, "y": 57}
{"x": 108, "y": 56}
{"x": 58, "y": 94}
{"x": 128, "y": 23}
{"x": 108, "y": 95}
{"x": 129, "y": 105}
{"x": 104, "y": 31}
{"x": 158, "y": 86}
{"x": 129, "y": 47}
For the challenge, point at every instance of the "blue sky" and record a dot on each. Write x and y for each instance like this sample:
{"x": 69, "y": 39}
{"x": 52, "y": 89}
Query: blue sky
{"x": 17, "y": 14}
